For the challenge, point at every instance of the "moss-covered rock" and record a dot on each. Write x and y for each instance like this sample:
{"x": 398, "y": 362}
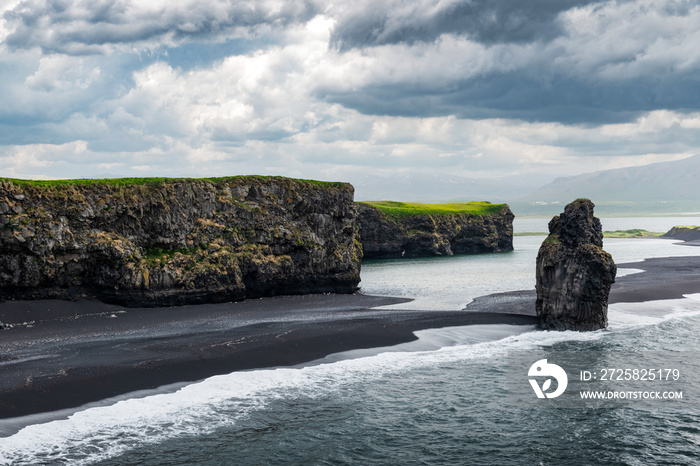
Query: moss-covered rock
{"x": 176, "y": 241}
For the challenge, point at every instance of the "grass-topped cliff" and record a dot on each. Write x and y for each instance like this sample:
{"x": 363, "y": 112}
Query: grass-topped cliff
{"x": 687, "y": 232}
{"x": 633, "y": 233}
{"x": 153, "y": 181}
{"x": 684, "y": 232}
{"x": 400, "y": 210}
{"x": 401, "y": 229}
{"x": 162, "y": 241}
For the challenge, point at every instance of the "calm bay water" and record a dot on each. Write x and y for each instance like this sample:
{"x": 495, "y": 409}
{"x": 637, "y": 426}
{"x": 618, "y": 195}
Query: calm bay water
{"x": 440, "y": 400}
{"x": 448, "y": 283}
{"x": 655, "y": 224}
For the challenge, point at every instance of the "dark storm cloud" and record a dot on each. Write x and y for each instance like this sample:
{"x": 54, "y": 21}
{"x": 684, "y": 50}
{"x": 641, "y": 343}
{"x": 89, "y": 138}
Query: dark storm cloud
{"x": 518, "y": 96}
{"x": 485, "y": 21}
{"x": 83, "y": 26}
{"x": 559, "y": 61}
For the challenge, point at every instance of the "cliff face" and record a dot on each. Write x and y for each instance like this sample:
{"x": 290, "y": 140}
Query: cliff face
{"x": 574, "y": 274}
{"x": 172, "y": 242}
{"x": 685, "y": 233}
{"x": 423, "y": 235}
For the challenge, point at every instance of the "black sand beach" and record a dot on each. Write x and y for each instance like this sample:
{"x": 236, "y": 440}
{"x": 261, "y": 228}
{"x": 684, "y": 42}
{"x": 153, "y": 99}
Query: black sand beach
{"x": 60, "y": 354}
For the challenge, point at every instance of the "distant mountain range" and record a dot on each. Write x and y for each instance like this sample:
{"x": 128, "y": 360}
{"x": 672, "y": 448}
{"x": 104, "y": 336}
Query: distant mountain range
{"x": 655, "y": 188}
{"x": 664, "y": 181}
{"x": 658, "y": 188}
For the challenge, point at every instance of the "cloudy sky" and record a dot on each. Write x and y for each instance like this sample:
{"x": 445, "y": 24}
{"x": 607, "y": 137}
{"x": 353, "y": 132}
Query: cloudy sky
{"x": 335, "y": 89}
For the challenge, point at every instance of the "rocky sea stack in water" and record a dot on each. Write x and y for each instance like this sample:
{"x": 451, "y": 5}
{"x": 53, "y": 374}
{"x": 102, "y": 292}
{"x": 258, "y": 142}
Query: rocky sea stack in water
{"x": 574, "y": 274}
{"x": 162, "y": 242}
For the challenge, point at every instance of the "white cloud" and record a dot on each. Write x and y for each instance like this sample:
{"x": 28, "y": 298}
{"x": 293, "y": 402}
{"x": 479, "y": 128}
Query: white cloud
{"x": 435, "y": 65}
{"x": 485, "y": 148}
{"x": 274, "y": 108}
{"x": 37, "y": 160}
{"x": 623, "y": 40}
{"x": 58, "y": 72}
{"x": 101, "y": 26}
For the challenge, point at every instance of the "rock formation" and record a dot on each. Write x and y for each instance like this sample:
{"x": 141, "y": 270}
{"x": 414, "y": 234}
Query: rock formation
{"x": 574, "y": 274}
{"x": 425, "y": 235}
{"x": 685, "y": 233}
{"x": 171, "y": 242}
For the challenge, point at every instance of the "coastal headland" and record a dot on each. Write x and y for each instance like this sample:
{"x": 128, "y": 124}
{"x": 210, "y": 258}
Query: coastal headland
{"x": 149, "y": 242}
{"x": 163, "y": 242}
{"x": 689, "y": 234}
{"x": 391, "y": 229}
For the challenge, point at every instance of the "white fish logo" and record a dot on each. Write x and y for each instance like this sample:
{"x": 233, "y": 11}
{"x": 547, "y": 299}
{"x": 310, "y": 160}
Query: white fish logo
{"x": 542, "y": 369}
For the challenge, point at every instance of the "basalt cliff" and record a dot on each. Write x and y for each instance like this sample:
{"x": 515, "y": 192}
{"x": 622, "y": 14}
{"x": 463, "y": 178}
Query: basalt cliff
{"x": 686, "y": 233}
{"x": 574, "y": 274}
{"x": 395, "y": 232}
{"x": 171, "y": 242}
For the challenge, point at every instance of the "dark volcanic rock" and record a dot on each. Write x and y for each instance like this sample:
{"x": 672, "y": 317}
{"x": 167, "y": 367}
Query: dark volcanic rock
{"x": 173, "y": 242}
{"x": 433, "y": 235}
{"x": 685, "y": 233}
{"x": 574, "y": 274}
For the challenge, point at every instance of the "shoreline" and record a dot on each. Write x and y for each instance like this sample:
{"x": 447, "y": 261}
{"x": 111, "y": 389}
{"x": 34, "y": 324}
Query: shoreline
{"x": 62, "y": 354}
{"x": 89, "y": 351}
{"x": 662, "y": 278}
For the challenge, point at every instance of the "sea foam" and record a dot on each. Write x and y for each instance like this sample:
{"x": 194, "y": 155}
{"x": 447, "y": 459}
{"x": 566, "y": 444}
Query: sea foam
{"x": 102, "y": 432}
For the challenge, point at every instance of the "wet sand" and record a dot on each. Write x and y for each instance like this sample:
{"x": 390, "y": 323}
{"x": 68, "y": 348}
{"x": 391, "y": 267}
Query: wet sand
{"x": 663, "y": 278}
{"x": 62, "y": 354}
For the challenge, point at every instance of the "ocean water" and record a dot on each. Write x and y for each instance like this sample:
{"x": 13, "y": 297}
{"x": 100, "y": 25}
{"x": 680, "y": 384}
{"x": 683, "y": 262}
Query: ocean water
{"x": 440, "y": 400}
{"x": 655, "y": 224}
{"x": 448, "y": 283}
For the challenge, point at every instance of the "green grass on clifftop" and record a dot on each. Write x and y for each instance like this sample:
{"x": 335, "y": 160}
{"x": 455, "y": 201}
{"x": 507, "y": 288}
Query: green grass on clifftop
{"x": 144, "y": 181}
{"x": 406, "y": 209}
{"x": 634, "y": 233}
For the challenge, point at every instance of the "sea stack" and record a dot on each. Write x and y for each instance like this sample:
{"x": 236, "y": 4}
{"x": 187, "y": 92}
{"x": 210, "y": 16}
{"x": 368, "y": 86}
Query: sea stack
{"x": 574, "y": 274}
